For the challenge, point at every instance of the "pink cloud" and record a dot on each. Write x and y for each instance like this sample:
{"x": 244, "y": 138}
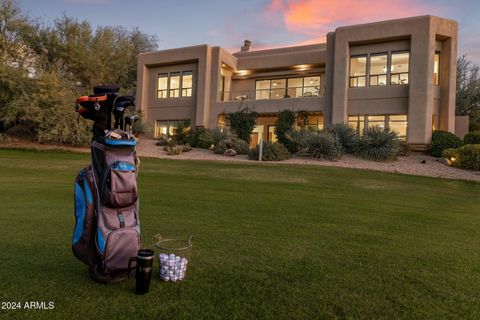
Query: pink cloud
{"x": 314, "y": 17}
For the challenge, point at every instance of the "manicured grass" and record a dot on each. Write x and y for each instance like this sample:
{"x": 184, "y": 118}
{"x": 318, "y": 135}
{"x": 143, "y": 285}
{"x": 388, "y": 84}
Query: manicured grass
{"x": 270, "y": 242}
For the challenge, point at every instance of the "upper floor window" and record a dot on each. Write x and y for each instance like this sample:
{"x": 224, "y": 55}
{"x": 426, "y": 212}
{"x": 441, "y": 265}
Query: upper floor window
{"x": 187, "y": 82}
{"x": 358, "y": 71}
{"x": 399, "y": 68}
{"x": 175, "y": 85}
{"x": 378, "y": 69}
{"x": 381, "y": 69}
{"x": 287, "y": 88}
{"x": 162, "y": 86}
{"x": 436, "y": 69}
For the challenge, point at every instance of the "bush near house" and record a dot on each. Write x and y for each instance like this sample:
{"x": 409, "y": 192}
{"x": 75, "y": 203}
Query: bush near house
{"x": 283, "y": 126}
{"x": 442, "y": 140}
{"x": 378, "y": 144}
{"x": 472, "y": 137}
{"x": 271, "y": 151}
{"x": 240, "y": 146}
{"x": 465, "y": 157}
{"x": 321, "y": 144}
{"x": 346, "y": 136}
{"x": 242, "y": 123}
{"x": 181, "y": 133}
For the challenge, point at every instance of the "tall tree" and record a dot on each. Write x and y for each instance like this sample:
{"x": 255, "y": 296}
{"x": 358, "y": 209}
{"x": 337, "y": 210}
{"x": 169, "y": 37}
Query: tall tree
{"x": 468, "y": 91}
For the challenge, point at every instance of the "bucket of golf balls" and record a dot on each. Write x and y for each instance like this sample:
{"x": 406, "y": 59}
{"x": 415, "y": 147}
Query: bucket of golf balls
{"x": 173, "y": 257}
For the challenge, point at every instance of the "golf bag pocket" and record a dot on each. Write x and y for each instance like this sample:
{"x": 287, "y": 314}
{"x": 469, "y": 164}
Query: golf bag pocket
{"x": 84, "y": 216}
{"x": 120, "y": 218}
{"x": 121, "y": 245}
{"x": 121, "y": 185}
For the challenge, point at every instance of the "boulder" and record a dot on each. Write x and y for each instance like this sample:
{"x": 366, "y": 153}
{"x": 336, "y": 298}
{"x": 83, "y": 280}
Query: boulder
{"x": 229, "y": 153}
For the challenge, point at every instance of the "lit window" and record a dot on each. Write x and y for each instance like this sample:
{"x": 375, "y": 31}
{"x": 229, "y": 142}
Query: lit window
{"x": 166, "y": 127}
{"x": 357, "y": 122}
{"x": 187, "y": 83}
{"x": 311, "y": 86}
{"x": 271, "y": 134}
{"x": 399, "y": 68}
{"x": 398, "y": 123}
{"x": 376, "y": 121}
{"x": 278, "y": 88}
{"x": 295, "y": 87}
{"x": 262, "y": 89}
{"x": 378, "y": 69}
{"x": 358, "y": 71}
{"x": 162, "y": 85}
{"x": 436, "y": 69}
{"x": 174, "y": 88}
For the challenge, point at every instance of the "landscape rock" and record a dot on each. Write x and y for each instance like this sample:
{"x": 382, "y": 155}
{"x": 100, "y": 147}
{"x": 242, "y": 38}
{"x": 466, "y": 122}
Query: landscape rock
{"x": 229, "y": 153}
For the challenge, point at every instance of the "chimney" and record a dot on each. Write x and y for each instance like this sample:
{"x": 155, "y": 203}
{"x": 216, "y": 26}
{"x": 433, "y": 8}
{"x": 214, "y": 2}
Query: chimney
{"x": 246, "y": 46}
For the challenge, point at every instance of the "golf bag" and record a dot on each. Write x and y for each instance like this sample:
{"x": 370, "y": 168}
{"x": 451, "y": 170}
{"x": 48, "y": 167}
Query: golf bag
{"x": 107, "y": 227}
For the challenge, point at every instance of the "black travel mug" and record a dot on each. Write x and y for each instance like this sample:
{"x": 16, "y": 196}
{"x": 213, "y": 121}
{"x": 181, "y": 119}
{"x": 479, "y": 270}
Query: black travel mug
{"x": 143, "y": 273}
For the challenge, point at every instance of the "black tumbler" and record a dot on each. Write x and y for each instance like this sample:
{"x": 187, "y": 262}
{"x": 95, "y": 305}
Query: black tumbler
{"x": 143, "y": 273}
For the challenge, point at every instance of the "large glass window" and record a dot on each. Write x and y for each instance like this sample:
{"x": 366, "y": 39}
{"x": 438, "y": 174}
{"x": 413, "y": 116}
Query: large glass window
{"x": 311, "y": 86}
{"x": 378, "y": 69}
{"x": 357, "y": 122}
{"x": 398, "y": 123}
{"x": 295, "y": 87}
{"x": 287, "y": 88}
{"x": 278, "y": 88}
{"x": 399, "y": 68}
{"x": 374, "y": 121}
{"x": 262, "y": 89}
{"x": 174, "y": 86}
{"x": 166, "y": 127}
{"x": 358, "y": 71}
{"x": 187, "y": 83}
{"x": 436, "y": 69}
{"x": 162, "y": 85}
{"x": 271, "y": 134}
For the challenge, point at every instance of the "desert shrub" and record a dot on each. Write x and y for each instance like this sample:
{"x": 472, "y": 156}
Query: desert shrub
{"x": 271, "y": 151}
{"x": 321, "y": 144}
{"x": 173, "y": 150}
{"x": 284, "y": 125}
{"x": 468, "y": 157}
{"x": 451, "y": 154}
{"x": 346, "y": 136}
{"x": 472, "y": 138}
{"x": 141, "y": 127}
{"x": 181, "y": 133}
{"x": 242, "y": 123}
{"x": 240, "y": 146}
{"x": 296, "y": 138}
{"x": 442, "y": 140}
{"x": 405, "y": 149}
{"x": 199, "y": 138}
{"x": 378, "y": 144}
{"x": 165, "y": 140}
{"x": 186, "y": 148}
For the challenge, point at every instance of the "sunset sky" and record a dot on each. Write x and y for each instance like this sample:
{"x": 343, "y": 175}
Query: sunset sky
{"x": 267, "y": 23}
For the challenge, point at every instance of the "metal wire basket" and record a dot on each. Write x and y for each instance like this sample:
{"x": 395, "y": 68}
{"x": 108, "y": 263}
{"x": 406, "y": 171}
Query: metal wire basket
{"x": 173, "y": 257}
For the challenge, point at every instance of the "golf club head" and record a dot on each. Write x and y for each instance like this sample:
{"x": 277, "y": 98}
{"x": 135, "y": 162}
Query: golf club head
{"x": 130, "y": 120}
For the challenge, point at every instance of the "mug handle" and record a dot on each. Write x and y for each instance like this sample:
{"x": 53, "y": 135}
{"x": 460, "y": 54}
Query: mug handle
{"x": 129, "y": 265}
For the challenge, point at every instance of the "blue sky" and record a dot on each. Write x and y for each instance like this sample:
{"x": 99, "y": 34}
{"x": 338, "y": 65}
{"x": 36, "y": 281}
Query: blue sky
{"x": 268, "y": 23}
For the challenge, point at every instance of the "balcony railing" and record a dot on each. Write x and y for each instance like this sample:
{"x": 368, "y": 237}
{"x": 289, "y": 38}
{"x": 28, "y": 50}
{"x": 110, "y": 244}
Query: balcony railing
{"x": 272, "y": 94}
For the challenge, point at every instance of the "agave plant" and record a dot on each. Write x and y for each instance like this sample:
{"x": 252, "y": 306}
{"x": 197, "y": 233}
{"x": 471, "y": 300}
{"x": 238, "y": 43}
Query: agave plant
{"x": 321, "y": 144}
{"x": 346, "y": 136}
{"x": 378, "y": 144}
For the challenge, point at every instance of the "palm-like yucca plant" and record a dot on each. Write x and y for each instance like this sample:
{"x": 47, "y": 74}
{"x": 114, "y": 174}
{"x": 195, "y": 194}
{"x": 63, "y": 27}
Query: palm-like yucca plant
{"x": 378, "y": 144}
{"x": 321, "y": 144}
{"x": 346, "y": 136}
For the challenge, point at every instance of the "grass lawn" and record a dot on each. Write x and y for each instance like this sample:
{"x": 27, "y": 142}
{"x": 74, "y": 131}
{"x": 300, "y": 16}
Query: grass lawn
{"x": 270, "y": 242}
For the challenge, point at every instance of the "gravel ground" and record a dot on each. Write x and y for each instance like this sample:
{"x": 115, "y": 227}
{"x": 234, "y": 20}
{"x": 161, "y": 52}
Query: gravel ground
{"x": 408, "y": 165}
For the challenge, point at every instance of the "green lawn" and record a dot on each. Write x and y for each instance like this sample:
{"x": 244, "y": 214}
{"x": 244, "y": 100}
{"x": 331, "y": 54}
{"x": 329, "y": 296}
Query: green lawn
{"x": 270, "y": 242}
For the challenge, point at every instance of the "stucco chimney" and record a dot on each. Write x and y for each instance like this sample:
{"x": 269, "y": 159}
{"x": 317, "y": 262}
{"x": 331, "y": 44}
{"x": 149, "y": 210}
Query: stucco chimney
{"x": 246, "y": 46}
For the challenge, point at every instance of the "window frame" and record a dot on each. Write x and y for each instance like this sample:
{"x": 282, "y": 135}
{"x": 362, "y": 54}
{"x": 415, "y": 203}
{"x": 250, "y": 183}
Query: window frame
{"x": 369, "y": 65}
{"x": 285, "y": 91}
{"x": 399, "y": 73}
{"x": 162, "y": 90}
{"x": 182, "y": 88}
{"x": 350, "y": 77}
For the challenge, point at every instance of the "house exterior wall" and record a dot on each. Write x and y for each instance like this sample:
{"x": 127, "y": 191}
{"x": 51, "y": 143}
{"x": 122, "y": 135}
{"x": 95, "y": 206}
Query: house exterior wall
{"x": 426, "y": 105}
